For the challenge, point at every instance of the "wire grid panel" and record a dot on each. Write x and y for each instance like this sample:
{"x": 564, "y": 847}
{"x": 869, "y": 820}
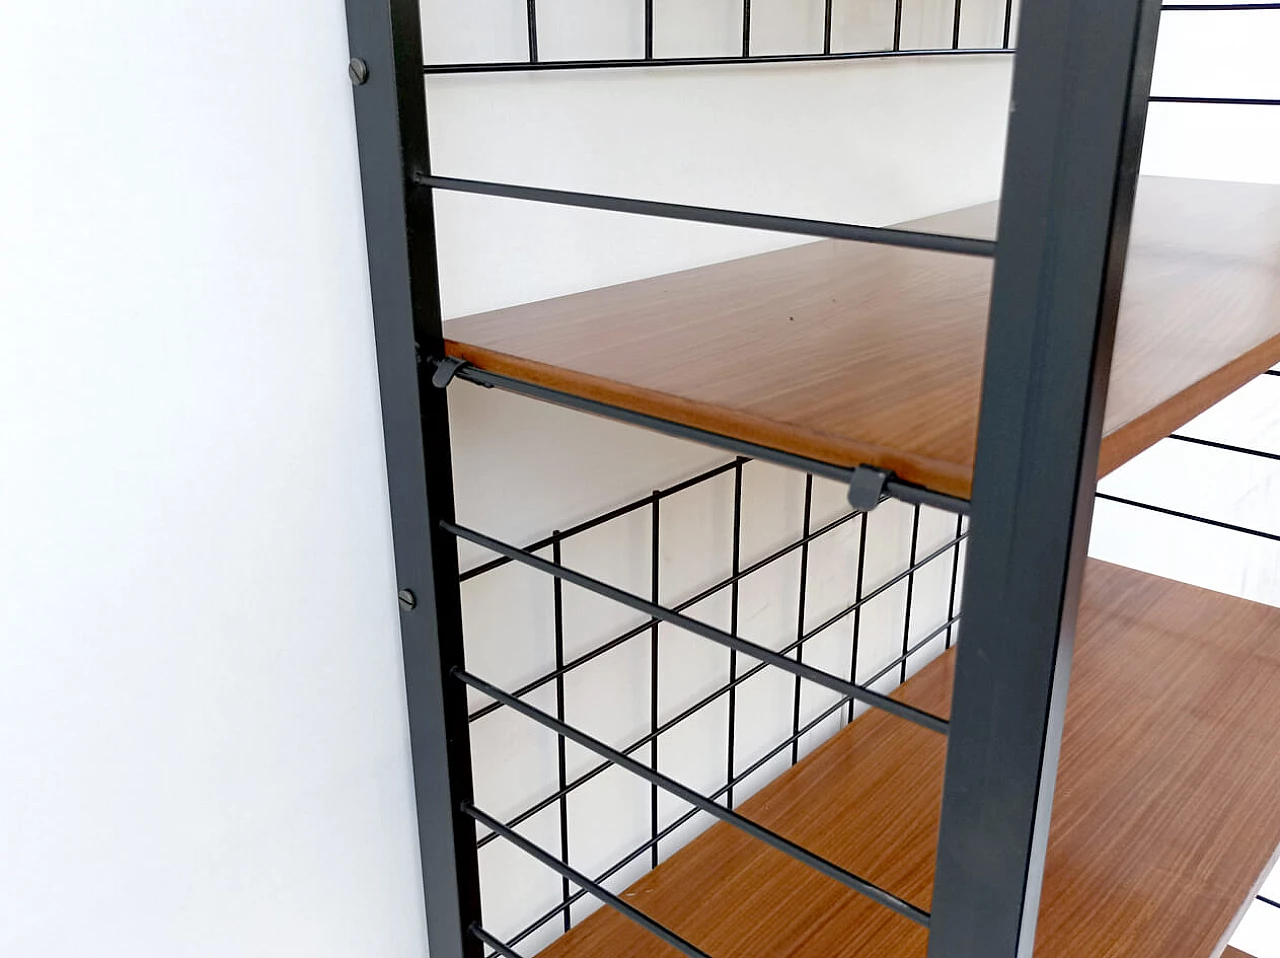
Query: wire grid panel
{"x": 486, "y": 35}
{"x": 765, "y": 553}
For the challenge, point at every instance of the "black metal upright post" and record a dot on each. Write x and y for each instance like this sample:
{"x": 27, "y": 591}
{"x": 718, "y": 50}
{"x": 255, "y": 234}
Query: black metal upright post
{"x": 1081, "y": 81}
{"x": 391, "y": 122}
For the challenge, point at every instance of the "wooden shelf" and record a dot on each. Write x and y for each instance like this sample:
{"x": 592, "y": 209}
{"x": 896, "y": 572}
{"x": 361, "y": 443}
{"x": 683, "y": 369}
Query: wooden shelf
{"x": 851, "y": 353}
{"x": 1164, "y": 821}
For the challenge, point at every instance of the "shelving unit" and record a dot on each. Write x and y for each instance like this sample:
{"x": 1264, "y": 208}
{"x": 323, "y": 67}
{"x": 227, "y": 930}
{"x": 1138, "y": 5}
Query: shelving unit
{"x": 1164, "y": 813}
{"x": 929, "y": 363}
{"x": 848, "y": 353}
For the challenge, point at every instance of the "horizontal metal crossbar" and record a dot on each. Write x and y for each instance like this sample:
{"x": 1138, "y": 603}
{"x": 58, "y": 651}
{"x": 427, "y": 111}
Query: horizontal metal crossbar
{"x": 1216, "y": 7}
{"x": 894, "y": 487}
{"x": 691, "y": 710}
{"x": 523, "y": 66}
{"x": 686, "y": 794}
{"x": 1217, "y": 100}
{"x": 693, "y": 600}
{"x": 1244, "y": 450}
{"x": 596, "y": 521}
{"x": 668, "y": 830}
{"x": 600, "y": 892}
{"x": 493, "y": 942}
{"x": 886, "y": 585}
{"x": 884, "y": 235}
{"x": 1231, "y": 527}
{"x": 719, "y": 636}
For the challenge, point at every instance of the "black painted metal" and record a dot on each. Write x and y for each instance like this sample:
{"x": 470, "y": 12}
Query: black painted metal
{"x": 1081, "y": 85}
{"x": 655, "y": 566}
{"x": 1217, "y": 100}
{"x": 728, "y": 640}
{"x": 702, "y": 802}
{"x": 884, "y": 235}
{"x": 736, "y": 565}
{"x": 522, "y": 66}
{"x": 582, "y": 881}
{"x": 1178, "y": 514}
{"x": 800, "y": 604}
{"x": 562, "y": 765}
{"x": 903, "y": 491}
{"x": 391, "y": 124}
{"x": 1228, "y": 447}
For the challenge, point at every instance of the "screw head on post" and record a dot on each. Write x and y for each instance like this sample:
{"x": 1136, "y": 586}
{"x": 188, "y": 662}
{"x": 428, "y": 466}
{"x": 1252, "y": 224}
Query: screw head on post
{"x": 358, "y": 70}
{"x": 407, "y": 599}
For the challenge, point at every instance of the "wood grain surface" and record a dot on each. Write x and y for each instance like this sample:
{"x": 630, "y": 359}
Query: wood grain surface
{"x": 1164, "y": 822}
{"x": 851, "y": 353}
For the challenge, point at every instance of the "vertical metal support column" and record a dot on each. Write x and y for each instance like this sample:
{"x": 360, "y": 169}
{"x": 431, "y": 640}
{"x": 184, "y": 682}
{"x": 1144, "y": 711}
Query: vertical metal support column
{"x": 1080, "y": 90}
{"x": 391, "y": 121}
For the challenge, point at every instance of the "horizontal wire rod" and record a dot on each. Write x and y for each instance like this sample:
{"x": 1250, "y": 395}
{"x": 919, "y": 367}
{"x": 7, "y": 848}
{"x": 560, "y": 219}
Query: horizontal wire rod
{"x": 596, "y": 521}
{"x": 886, "y": 585}
{"x": 687, "y": 816}
{"x": 688, "y": 712}
{"x": 693, "y": 600}
{"x": 1245, "y": 450}
{"x": 799, "y": 226}
{"x": 493, "y": 942}
{"x": 1217, "y": 100}
{"x": 516, "y": 66}
{"x": 719, "y": 636}
{"x": 1216, "y": 7}
{"x": 686, "y": 794}
{"x": 894, "y": 487}
{"x": 606, "y": 896}
{"x": 1230, "y": 527}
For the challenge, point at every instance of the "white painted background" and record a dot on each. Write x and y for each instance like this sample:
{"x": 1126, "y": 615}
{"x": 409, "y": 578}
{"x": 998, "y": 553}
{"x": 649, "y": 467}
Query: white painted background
{"x": 203, "y": 747}
{"x": 200, "y": 703}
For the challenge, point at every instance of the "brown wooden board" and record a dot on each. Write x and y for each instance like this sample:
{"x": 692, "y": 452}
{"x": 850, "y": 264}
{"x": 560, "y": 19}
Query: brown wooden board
{"x": 1164, "y": 822}
{"x": 852, "y": 353}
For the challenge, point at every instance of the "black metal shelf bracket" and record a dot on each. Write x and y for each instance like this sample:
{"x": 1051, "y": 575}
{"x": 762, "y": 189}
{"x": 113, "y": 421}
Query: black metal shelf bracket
{"x": 885, "y": 484}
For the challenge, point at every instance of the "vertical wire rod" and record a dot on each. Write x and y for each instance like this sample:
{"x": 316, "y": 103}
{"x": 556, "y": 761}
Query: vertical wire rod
{"x": 581, "y": 880}
{"x": 955, "y": 28}
{"x": 655, "y": 563}
{"x": 562, "y": 766}
{"x": 681, "y": 607}
{"x": 635, "y": 853}
{"x": 733, "y": 623}
{"x": 955, "y": 576}
{"x": 911, "y": 583}
{"x": 686, "y": 794}
{"x": 826, "y": 28}
{"x": 531, "y": 17}
{"x": 719, "y": 636}
{"x": 804, "y": 577}
{"x": 857, "y": 607}
{"x": 897, "y": 25}
{"x": 746, "y": 28}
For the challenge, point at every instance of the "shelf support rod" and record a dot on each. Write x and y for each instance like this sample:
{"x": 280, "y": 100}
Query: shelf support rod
{"x": 868, "y": 486}
{"x": 1081, "y": 82}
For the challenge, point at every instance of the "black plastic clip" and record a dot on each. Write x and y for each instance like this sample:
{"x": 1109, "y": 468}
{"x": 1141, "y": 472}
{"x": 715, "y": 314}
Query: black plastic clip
{"x": 446, "y": 369}
{"x": 867, "y": 487}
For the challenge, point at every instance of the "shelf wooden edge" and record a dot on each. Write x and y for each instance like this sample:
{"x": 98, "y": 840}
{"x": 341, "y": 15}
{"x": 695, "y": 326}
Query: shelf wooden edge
{"x": 1135, "y": 757}
{"x": 1130, "y": 439}
{"x": 949, "y": 478}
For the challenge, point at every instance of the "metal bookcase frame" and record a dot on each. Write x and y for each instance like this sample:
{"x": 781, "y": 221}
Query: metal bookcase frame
{"x": 1081, "y": 84}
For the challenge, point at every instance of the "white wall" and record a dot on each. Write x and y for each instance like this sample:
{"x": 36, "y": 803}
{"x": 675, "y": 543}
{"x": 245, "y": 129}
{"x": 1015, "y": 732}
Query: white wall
{"x": 201, "y": 709}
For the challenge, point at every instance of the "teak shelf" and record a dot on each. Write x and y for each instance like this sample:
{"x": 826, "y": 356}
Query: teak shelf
{"x": 1163, "y": 824}
{"x": 853, "y": 353}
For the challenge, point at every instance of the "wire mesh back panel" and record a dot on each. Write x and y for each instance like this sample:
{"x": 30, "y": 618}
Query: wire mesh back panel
{"x": 766, "y": 554}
